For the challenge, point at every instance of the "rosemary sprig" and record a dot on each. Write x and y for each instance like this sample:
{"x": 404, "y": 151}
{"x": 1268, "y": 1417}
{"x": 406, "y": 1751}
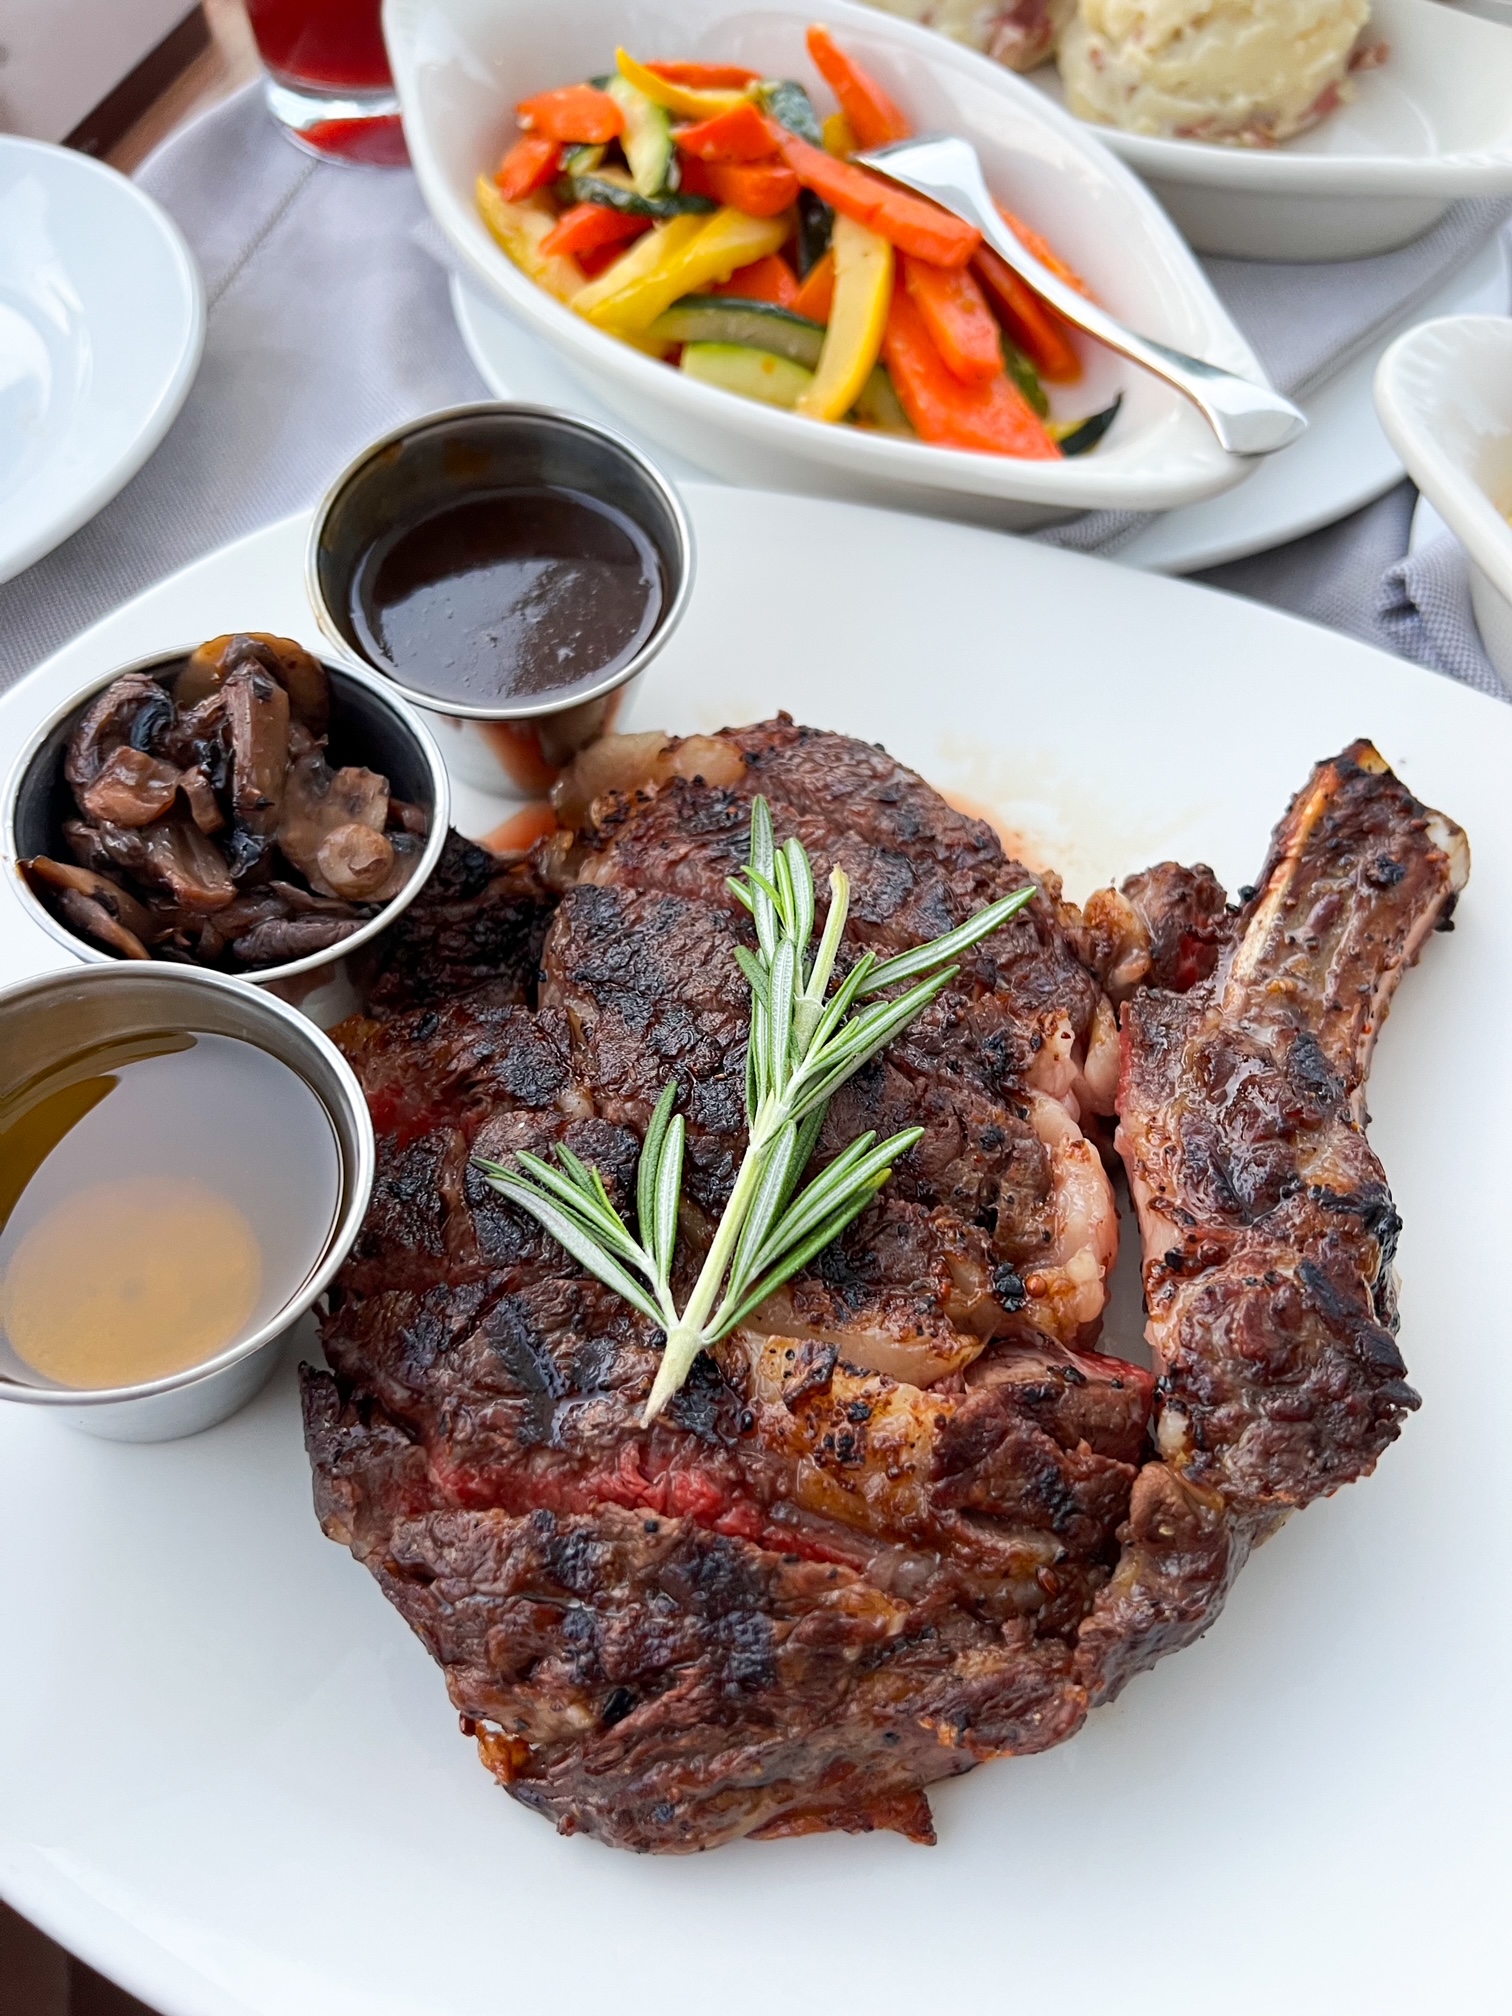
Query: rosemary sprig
{"x": 802, "y": 1048}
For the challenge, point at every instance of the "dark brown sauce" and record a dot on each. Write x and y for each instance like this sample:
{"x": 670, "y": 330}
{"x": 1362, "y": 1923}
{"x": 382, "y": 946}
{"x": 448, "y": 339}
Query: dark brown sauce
{"x": 161, "y": 1196}
{"x": 508, "y": 595}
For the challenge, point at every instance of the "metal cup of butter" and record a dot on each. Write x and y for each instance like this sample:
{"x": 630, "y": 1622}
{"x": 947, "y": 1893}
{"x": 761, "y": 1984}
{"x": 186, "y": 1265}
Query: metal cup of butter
{"x": 511, "y": 749}
{"x": 53, "y": 1016}
{"x": 370, "y": 725}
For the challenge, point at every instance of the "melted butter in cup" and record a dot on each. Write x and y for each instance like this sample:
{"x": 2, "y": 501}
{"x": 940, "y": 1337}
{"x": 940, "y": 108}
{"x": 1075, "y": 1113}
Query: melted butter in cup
{"x": 129, "y": 1281}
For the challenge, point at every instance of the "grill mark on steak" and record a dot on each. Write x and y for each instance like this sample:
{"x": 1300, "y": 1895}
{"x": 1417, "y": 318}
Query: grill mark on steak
{"x": 1020, "y": 1016}
{"x": 477, "y": 920}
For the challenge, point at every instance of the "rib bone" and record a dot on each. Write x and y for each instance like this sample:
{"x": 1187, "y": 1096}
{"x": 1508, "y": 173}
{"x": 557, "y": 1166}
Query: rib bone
{"x": 1267, "y": 1222}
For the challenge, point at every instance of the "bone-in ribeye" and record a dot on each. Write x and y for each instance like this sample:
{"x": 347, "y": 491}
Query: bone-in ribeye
{"x": 910, "y": 1518}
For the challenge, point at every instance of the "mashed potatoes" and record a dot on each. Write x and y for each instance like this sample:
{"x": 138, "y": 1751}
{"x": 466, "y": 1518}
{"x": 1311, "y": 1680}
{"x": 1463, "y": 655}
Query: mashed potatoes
{"x": 1247, "y": 72}
{"x": 1019, "y": 33}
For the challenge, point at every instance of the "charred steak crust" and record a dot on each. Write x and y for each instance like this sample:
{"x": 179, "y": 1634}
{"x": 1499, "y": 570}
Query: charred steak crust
{"x": 909, "y": 1518}
{"x": 1267, "y": 1222}
{"x": 477, "y": 920}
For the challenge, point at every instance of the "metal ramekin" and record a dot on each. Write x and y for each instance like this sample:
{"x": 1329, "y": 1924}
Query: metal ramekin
{"x": 370, "y": 724}
{"x": 53, "y": 1016}
{"x": 515, "y": 749}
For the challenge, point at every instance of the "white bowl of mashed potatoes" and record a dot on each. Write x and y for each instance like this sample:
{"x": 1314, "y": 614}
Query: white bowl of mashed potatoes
{"x": 1248, "y": 73}
{"x": 1295, "y": 129}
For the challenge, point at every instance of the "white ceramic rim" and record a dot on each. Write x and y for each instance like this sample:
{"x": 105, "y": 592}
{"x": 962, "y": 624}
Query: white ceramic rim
{"x": 358, "y": 1179}
{"x": 110, "y": 481}
{"x": 1451, "y": 489}
{"x": 93, "y": 955}
{"x": 558, "y": 702}
{"x": 1277, "y": 171}
{"x": 1067, "y": 486}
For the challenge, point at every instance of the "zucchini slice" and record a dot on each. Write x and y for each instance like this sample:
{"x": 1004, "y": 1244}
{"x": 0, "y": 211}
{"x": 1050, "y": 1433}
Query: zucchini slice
{"x": 647, "y": 140}
{"x": 790, "y": 105}
{"x": 879, "y": 406}
{"x": 754, "y": 374}
{"x": 582, "y": 160}
{"x": 613, "y": 188}
{"x": 816, "y": 221}
{"x": 1083, "y": 435}
{"x": 1027, "y": 379}
{"x": 753, "y": 325}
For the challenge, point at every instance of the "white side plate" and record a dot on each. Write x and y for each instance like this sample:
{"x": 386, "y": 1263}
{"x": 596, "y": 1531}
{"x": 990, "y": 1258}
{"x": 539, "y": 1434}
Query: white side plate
{"x": 231, "y": 1776}
{"x": 102, "y": 320}
{"x": 1342, "y": 462}
{"x": 1433, "y": 124}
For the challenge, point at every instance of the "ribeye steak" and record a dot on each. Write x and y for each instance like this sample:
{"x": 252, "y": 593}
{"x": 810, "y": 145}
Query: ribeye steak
{"x": 909, "y": 1517}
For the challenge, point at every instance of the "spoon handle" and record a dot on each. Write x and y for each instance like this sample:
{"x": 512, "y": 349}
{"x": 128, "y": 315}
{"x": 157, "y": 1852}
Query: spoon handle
{"x": 1248, "y": 418}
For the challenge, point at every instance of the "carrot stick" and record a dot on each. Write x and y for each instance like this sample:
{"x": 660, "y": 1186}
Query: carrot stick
{"x": 1044, "y": 252}
{"x": 874, "y": 118}
{"x": 908, "y": 222}
{"x": 577, "y": 116}
{"x": 590, "y": 227}
{"x": 737, "y": 135}
{"x": 817, "y": 291}
{"x": 528, "y": 166}
{"x": 992, "y": 417}
{"x": 1037, "y": 330}
{"x": 759, "y": 188}
{"x": 770, "y": 279}
{"x": 958, "y": 319}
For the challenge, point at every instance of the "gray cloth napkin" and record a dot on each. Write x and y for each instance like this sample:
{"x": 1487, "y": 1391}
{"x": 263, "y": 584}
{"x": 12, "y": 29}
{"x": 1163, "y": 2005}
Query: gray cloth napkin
{"x": 1424, "y": 607}
{"x": 329, "y": 322}
{"x": 1357, "y": 576}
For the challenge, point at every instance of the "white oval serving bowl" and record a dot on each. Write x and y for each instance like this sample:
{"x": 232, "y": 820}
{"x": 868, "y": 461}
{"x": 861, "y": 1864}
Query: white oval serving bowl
{"x": 1433, "y": 124}
{"x": 1444, "y": 394}
{"x": 461, "y": 65}
{"x": 102, "y": 322}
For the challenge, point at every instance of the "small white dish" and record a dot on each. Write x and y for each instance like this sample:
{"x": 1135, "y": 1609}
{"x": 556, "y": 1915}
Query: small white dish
{"x": 102, "y": 321}
{"x": 1433, "y": 124}
{"x": 1426, "y": 523}
{"x": 460, "y": 66}
{"x": 1444, "y": 394}
{"x": 1343, "y": 461}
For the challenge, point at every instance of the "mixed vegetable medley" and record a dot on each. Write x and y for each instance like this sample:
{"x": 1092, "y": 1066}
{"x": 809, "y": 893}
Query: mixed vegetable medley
{"x": 708, "y": 216}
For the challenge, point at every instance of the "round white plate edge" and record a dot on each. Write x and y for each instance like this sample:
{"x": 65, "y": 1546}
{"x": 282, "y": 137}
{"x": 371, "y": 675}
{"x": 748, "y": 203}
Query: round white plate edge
{"x": 167, "y": 403}
{"x": 100, "y": 1934}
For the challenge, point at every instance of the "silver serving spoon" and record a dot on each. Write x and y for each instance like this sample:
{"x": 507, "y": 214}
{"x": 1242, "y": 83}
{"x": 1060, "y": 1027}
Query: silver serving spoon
{"x": 1249, "y": 419}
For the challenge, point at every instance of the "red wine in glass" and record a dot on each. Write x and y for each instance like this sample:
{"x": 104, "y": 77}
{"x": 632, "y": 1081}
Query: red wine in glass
{"x": 328, "y": 83}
